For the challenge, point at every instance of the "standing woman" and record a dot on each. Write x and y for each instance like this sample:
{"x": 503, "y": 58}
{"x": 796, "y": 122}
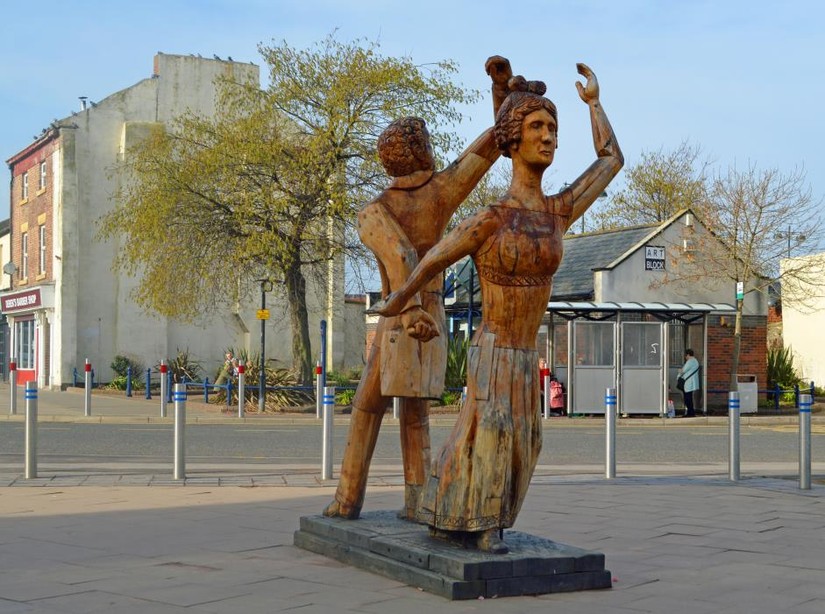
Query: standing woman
{"x": 690, "y": 372}
{"x": 480, "y": 477}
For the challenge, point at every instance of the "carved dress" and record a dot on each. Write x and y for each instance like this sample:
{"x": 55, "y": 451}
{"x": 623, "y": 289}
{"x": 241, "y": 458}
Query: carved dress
{"x": 481, "y": 475}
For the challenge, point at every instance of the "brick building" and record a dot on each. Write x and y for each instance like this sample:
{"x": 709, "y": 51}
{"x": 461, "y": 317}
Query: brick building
{"x": 614, "y": 319}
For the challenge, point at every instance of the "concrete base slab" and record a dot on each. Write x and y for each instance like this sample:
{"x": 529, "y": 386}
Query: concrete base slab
{"x": 381, "y": 543}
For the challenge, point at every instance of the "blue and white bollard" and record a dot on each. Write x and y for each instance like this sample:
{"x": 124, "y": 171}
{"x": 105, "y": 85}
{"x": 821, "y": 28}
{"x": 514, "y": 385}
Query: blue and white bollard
{"x": 610, "y": 433}
{"x": 805, "y": 402}
{"x": 326, "y": 451}
{"x": 179, "y": 398}
{"x": 733, "y": 436}
{"x": 31, "y": 430}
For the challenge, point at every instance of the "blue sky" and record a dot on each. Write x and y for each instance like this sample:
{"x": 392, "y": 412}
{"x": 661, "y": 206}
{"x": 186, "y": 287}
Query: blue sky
{"x": 743, "y": 80}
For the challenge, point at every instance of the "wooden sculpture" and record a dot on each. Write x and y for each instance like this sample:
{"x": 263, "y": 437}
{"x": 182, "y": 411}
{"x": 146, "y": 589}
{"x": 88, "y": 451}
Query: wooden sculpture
{"x": 479, "y": 479}
{"x": 400, "y": 226}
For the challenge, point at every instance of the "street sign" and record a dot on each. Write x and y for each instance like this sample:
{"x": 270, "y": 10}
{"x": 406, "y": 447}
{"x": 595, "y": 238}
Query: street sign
{"x": 263, "y": 314}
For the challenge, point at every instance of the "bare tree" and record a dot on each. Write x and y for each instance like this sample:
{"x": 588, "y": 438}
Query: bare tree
{"x": 753, "y": 217}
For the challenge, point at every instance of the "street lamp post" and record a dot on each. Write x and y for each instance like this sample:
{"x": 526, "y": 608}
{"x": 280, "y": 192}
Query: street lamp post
{"x": 263, "y": 316}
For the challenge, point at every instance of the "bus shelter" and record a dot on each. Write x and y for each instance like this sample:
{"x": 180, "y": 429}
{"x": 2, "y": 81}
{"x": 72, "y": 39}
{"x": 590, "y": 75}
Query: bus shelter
{"x": 636, "y": 348}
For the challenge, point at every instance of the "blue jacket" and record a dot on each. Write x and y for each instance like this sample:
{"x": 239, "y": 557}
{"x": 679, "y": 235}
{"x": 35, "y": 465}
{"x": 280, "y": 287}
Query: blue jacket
{"x": 691, "y": 369}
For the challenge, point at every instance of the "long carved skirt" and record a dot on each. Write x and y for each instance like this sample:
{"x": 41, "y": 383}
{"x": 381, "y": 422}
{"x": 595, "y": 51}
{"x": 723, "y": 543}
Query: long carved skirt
{"x": 481, "y": 475}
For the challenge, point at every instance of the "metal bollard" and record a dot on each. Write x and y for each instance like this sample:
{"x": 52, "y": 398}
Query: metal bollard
{"x": 326, "y": 450}
{"x": 31, "y": 430}
{"x": 545, "y": 386}
{"x": 733, "y": 436}
{"x": 610, "y": 433}
{"x": 164, "y": 384}
{"x": 396, "y": 407}
{"x": 319, "y": 391}
{"x": 179, "y": 397}
{"x": 87, "y": 382}
{"x": 241, "y": 385}
{"x": 13, "y": 381}
{"x": 805, "y": 401}
{"x": 129, "y": 381}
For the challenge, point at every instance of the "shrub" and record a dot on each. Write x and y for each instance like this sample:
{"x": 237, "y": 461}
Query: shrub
{"x": 345, "y": 396}
{"x": 781, "y": 371}
{"x": 183, "y": 366}
{"x": 121, "y": 364}
{"x": 456, "y": 375}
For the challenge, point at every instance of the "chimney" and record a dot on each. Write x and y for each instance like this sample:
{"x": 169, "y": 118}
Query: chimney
{"x": 83, "y": 100}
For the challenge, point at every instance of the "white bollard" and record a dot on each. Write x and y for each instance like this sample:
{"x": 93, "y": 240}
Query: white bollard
{"x": 31, "y": 430}
{"x": 326, "y": 451}
{"x": 319, "y": 391}
{"x": 545, "y": 386}
{"x": 805, "y": 402}
{"x": 610, "y": 433}
{"x": 241, "y": 388}
{"x": 733, "y": 435}
{"x": 13, "y": 382}
{"x": 87, "y": 405}
{"x": 179, "y": 398}
{"x": 396, "y": 407}
{"x": 164, "y": 387}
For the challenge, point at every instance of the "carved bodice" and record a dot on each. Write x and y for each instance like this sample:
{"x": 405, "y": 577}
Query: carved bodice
{"x": 516, "y": 266}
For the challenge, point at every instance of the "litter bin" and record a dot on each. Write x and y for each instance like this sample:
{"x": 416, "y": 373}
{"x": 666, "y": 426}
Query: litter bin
{"x": 748, "y": 393}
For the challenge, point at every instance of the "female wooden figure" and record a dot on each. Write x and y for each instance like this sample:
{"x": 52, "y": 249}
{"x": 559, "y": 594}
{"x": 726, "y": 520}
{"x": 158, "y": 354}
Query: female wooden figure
{"x": 480, "y": 478}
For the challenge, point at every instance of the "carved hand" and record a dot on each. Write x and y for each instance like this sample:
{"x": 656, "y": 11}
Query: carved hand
{"x": 500, "y": 72}
{"x": 589, "y": 92}
{"x": 419, "y": 324}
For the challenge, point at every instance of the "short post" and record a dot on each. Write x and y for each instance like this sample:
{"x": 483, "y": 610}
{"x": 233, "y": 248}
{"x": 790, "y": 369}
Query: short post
{"x": 129, "y": 381}
{"x": 319, "y": 390}
{"x": 326, "y": 451}
{"x": 733, "y": 435}
{"x": 87, "y": 406}
{"x": 241, "y": 385}
{"x": 31, "y": 430}
{"x": 777, "y": 392}
{"x": 396, "y": 408}
{"x": 164, "y": 384}
{"x": 805, "y": 401}
{"x": 148, "y": 384}
{"x": 13, "y": 382}
{"x": 545, "y": 386}
{"x": 610, "y": 433}
{"x": 229, "y": 393}
{"x": 179, "y": 398}
{"x": 206, "y": 390}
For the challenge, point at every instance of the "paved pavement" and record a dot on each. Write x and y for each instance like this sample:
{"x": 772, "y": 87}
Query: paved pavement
{"x": 130, "y": 539}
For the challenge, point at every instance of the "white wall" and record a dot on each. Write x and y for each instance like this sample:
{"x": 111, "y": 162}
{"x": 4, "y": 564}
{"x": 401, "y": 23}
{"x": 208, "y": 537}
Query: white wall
{"x": 803, "y": 326}
{"x": 97, "y": 319}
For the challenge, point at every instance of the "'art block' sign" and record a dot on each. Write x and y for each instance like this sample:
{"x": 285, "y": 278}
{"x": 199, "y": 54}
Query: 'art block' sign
{"x": 654, "y": 258}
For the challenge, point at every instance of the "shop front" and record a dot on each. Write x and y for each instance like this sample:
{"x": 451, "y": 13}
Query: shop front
{"x": 29, "y": 312}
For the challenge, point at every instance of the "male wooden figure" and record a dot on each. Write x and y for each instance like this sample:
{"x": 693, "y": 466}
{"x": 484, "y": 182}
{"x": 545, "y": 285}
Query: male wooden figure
{"x": 406, "y": 359}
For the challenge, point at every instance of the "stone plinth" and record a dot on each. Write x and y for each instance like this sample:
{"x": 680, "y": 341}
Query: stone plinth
{"x": 381, "y": 543}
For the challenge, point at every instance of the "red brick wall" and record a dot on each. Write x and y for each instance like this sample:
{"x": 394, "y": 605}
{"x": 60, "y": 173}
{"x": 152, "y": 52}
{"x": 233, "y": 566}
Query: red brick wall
{"x": 752, "y": 354}
{"x": 38, "y": 204}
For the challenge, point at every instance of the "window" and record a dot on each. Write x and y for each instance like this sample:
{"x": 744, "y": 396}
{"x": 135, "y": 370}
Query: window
{"x": 42, "y": 184}
{"x": 24, "y": 343}
{"x": 24, "y": 248}
{"x": 41, "y": 265}
{"x": 25, "y": 190}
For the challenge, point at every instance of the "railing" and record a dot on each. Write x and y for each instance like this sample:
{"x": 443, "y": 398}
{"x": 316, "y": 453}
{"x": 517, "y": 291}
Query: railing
{"x": 776, "y": 393}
